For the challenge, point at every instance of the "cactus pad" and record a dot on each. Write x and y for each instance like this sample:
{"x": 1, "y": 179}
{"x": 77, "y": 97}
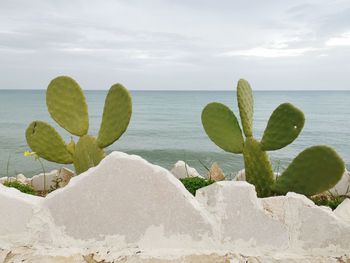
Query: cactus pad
{"x": 283, "y": 127}
{"x": 87, "y": 154}
{"x": 222, "y": 127}
{"x": 44, "y": 140}
{"x": 313, "y": 171}
{"x": 245, "y": 105}
{"x": 258, "y": 169}
{"x": 67, "y": 106}
{"x": 116, "y": 115}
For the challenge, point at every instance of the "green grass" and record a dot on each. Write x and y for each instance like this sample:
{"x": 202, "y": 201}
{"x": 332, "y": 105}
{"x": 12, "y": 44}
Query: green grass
{"x": 192, "y": 184}
{"x": 27, "y": 189}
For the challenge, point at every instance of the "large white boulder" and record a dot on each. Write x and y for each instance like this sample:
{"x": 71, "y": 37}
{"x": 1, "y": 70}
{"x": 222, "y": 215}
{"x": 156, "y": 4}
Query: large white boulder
{"x": 17, "y": 210}
{"x": 128, "y": 197}
{"x": 309, "y": 225}
{"x": 343, "y": 186}
{"x": 343, "y": 211}
{"x": 240, "y": 215}
{"x": 183, "y": 170}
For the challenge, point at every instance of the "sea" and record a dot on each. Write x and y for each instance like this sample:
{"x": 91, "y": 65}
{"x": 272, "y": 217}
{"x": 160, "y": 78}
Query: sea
{"x": 166, "y": 127}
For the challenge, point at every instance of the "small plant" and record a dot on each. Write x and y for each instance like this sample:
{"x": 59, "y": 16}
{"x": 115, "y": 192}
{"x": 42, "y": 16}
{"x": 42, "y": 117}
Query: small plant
{"x": 24, "y": 188}
{"x": 66, "y": 104}
{"x": 192, "y": 184}
{"x": 313, "y": 171}
{"x": 328, "y": 199}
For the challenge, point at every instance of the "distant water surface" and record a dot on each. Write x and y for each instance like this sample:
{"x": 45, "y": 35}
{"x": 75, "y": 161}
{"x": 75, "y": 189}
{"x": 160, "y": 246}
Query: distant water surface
{"x": 166, "y": 126}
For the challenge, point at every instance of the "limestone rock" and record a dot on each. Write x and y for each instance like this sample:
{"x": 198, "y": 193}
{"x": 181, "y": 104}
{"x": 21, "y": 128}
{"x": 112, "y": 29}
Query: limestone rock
{"x": 343, "y": 186}
{"x": 3, "y": 179}
{"x": 240, "y": 176}
{"x": 215, "y": 173}
{"x": 54, "y": 179}
{"x": 129, "y": 197}
{"x": 343, "y": 211}
{"x": 17, "y": 209}
{"x": 183, "y": 170}
{"x": 309, "y": 225}
{"x": 241, "y": 216}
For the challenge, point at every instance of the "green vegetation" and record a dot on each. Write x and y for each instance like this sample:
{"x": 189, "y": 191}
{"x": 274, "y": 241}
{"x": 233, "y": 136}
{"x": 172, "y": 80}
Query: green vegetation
{"x": 24, "y": 188}
{"x": 66, "y": 104}
{"x": 313, "y": 171}
{"x": 192, "y": 184}
{"x": 329, "y": 200}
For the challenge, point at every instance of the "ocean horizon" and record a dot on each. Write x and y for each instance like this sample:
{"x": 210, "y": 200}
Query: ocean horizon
{"x": 166, "y": 128}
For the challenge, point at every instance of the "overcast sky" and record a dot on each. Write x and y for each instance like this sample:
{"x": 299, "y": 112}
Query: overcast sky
{"x": 176, "y": 44}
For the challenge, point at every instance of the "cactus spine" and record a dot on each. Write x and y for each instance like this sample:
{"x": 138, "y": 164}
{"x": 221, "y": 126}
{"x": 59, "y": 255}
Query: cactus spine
{"x": 66, "y": 104}
{"x": 313, "y": 171}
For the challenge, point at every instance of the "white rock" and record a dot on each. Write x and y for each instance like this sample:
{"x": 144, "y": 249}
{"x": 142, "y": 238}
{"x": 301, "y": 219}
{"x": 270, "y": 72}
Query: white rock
{"x": 183, "y": 170}
{"x": 3, "y": 179}
{"x": 309, "y": 226}
{"x": 343, "y": 186}
{"x": 129, "y": 197}
{"x": 17, "y": 209}
{"x": 21, "y": 178}
{"x": 240, "y": 176}
{"x": 54, "y": 179}
{"x": 240, "y": 214}
{"x": 343, "y": 211}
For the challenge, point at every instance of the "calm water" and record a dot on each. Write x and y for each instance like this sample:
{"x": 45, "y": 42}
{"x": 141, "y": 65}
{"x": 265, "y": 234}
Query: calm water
{"x": 166, "y": 127}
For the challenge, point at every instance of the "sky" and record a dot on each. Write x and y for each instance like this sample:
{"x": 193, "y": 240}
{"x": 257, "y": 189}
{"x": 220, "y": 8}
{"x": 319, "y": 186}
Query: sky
{"x": 176, "y": 44}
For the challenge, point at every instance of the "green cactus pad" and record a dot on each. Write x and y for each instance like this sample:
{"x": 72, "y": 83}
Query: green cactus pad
{"x": 313, "y": 171}
{"x": 245, "y": 105}
{"x": 284, "y": 126}
{"x": 258, "y": 170}
{"x": 87, "y": 154}
{"x": 44, "y": 140}
{"x": 116, "y": 115}
{"x": 67, "y": 106}
{"x": 222, "y": 127}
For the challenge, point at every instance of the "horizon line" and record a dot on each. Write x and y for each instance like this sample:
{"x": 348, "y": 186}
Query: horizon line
{"x": 189, "y": 90}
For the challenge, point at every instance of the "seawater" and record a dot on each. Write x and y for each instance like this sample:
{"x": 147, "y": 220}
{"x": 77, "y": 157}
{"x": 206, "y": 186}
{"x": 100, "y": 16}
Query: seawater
{"x": 166, "y": 126}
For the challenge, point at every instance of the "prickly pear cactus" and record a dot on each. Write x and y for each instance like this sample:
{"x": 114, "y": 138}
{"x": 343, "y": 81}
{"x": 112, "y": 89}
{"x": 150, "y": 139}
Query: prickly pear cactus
{"x": 66, "y": 104}
{"x": 313, "y": 171}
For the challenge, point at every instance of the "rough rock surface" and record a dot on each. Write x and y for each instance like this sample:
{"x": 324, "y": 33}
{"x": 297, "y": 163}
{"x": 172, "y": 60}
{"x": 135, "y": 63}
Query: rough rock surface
{"x": 343, "y": 211}
{"x": 241, "y": 216}
{"x": 51, "y": 180}
{"x": 343, "y": 186}
{"x": 183, "y": 170}
{"x": 129, "y": 197}
{"x": 17, "y": 210}
{"x": 309, "y": 225}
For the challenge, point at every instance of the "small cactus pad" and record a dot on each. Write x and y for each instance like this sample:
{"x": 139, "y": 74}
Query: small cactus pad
{"x": 116, "y": 115}
{"x": 258, "y": 169}
{"x": 87, "y": 154}
{"x": 67, "y": 106}
{"x": 222, "y": 127}
{"x": 44, "y": 140}
{"x": 284, "y": 126}
{"x": 245, "y": 105}
{"x": 313, "y": 171}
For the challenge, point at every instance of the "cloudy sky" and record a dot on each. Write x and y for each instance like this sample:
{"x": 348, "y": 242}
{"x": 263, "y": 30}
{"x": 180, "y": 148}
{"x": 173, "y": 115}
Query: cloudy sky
{"x": 176, "y": 44}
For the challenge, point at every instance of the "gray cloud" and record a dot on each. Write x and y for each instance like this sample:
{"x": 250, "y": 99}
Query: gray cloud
{"x": 178, "y": 44}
